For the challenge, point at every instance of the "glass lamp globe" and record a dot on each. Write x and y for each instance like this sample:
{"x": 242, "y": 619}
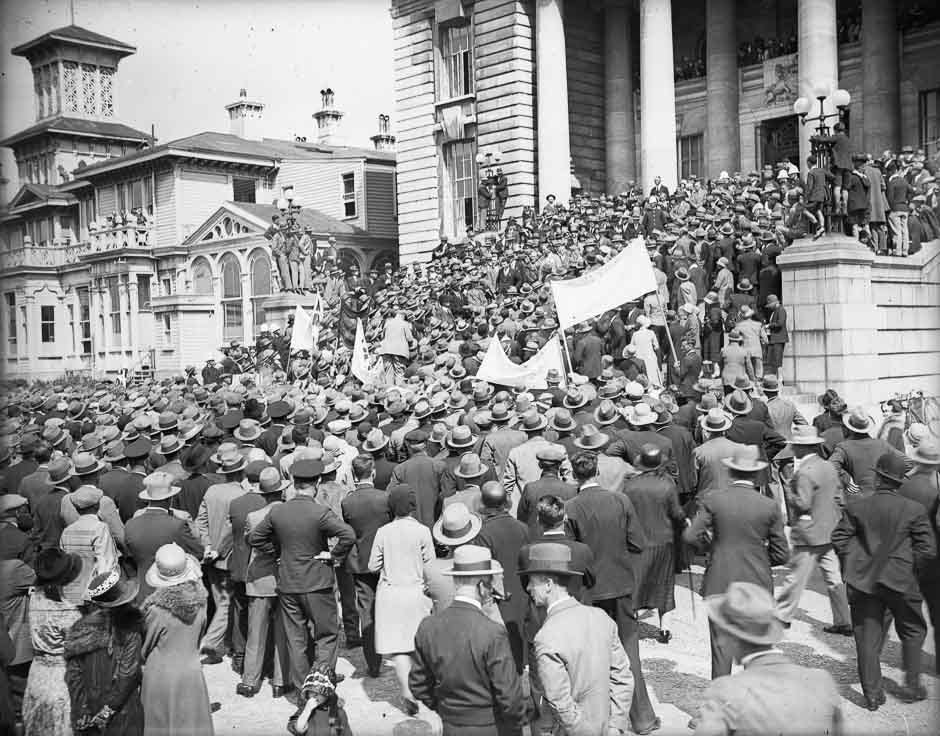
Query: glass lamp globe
{"x": 481, "y": 159}
{"x": 287, "y": 191}
{"x": 801, "y": 106}
{"x": 281, "y": 204}
{"x": 820, "y": 89}
{"x": 841, "y": 98}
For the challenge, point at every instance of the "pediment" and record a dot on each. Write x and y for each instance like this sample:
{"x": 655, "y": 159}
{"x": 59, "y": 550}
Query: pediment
{"x": 28, "y": 194}
{"x": 226, "y": 224}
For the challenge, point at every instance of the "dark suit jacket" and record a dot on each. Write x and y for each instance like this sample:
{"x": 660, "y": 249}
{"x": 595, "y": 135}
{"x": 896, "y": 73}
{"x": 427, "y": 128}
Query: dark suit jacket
{"x": 238, "y": 511}
{"x": 423, "y": 475}
{"x": 15, "y": 473}
{"x": 15, "y": 544}
{"x": 269, "y": 438}
{"x": 547, "y": 485}
{"x": 383, "y": 471}
{"x": 881, "y": 540}
{"x": 743, "y": 530}
{"x": 47, "y": 519}
{"x": 753, "y": 432}
{"x": 147, "y": 532}
{"x": 365, "y": 510}
{"x": 855, "y": 459}
{"x": 504, "y": 537}
{"x": 463, "y": 669}
{"x": 777, "y": 326}
{"x": 124, "y": 487}
{"x": 760, "y": 412}
{"x": 193, "y": 490}
{"x": 587, "y": 355}
{"x": 607, "y": 523}
{"x": 682, "y": 446}
{"x": 656, "y": 501}
{"x": 299, "y": 528}
{"x": 925, "y": 489}
{"x": 627, "y": 444}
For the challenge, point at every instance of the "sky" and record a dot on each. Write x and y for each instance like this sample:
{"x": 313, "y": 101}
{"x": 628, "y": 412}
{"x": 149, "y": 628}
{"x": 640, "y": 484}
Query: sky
{"x": 193, "y": 57}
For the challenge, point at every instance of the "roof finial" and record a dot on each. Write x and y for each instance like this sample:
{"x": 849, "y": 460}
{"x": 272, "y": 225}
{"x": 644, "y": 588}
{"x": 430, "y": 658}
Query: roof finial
{"x": 72, "y": 12}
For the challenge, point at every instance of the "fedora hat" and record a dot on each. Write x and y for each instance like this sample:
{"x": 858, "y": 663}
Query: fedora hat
{"x": 892, "y": 466}
{"x": 606, "y": 413}
{"x": 927, "y": 452}
{"x": 562, "y": 421}
{"x": 166, "y": 421}
{"x": 461, "y": 436}
{"x": 188, "y": 428}
{"x": 248, "y": 430}
{"x": 745, "y": 459}
{"x": 270, "y": 482}
{"x": 553, "y": 377}
{"x": 858, "y": 421}
{"x": 112, "y": 589}
{"x": 742, "y": 383}
{"x": 172, "y": 566}
{"x": 748, "y": 612}
{"x": 549, "y": 557}
{"x": 770, "y": 384}
{"x": 169, "y": 444}
{"x": 574, "y": 399}
{"x": 375, "y": 441}
{"x": 590, "y": 438}
{"x": 84, "y": 497}
{"x": 500, "y": 413}
{"x": 91, "y": 441}
{"x": 715, "y": 420}
{"x": 532, "y": 421}
{"x": 738, "y": 403}
{"x": 229, "y": 459}
{"x": 470, "y": 466}
{"x": 55, "y": 566}
{"x": 357, "y": 413}
{"x": 158, "y": 486}
{"x": 650, "y": 457}
{"x": 85, "y": 464}
{"x": 11, "y": 502}
{"x": 456, "y": 525}
{"x": 473, "y": 561}
{"x": 805, "y": 434}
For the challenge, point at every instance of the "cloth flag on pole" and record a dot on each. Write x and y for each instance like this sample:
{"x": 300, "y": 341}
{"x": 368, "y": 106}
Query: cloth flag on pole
{"x": 498, "y": 369}
{"x": 317, "y": 320}
{"x": 362, "y": 366}
{"x": 302, "y": 336}
{"x": 627, "y": 276}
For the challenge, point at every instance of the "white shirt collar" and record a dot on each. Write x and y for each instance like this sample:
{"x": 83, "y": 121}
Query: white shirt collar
{"x": 552, "y": 605}
{"x": 747, "y": 659}
{"x": 471, "y": 601}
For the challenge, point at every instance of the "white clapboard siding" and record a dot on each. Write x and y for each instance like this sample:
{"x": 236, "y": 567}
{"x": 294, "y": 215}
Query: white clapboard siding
{"x": 380, "y": 202}
{"x": 320, "y": 186}
{"x": 198, "y": 194}
{"x": 165, "y": 212}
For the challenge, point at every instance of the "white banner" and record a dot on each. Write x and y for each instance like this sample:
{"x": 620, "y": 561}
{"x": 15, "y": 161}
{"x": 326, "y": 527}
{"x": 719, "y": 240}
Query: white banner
{"x": 362, "y": 366}
{"x": 497, "y": 368}
{"x": 301, "y": 337}
{"x": 628, "y": 276}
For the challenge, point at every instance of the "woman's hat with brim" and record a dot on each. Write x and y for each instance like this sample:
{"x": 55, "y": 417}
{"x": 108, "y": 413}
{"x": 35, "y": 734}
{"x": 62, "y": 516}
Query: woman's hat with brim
{"x": 112, "y": 589}
{"x": 473, "y": 561}
{"x": 173, "y": 566}
{"x": 57, "y": 567}
{"x": 747, "y": 611}
{"x": 549, "y": 558}
{"x": 456, "y": 525}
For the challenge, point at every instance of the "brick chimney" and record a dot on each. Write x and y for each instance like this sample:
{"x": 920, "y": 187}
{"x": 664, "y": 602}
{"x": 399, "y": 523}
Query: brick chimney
{"x": 384, "y": 140}
{"x": 245, "y": 117}
{"x": 328, "y": 118}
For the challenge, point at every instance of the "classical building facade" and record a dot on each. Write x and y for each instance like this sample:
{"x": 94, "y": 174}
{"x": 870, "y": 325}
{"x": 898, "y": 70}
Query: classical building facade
{"x": 118, "y": 252}
{"x": 584, "y": 94}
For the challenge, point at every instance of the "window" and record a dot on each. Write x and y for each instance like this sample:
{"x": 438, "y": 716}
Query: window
{"x": 349, "y": 195}
{"x": 47, "y": 323}
{"x": 167, "y": 286}
{"x": 232, "y": 316}
{"x": 202, "y": 277}
{"x": 72, "y": 324}
{"x": 458, "y": 61}
{"x": 10, "y": 298}
{"x": 930, "y": 121}
{"x": 87, "y": 212}
{"x": 143, "y": 292}
{"x": 243, "y": 190}
{"x": 260, "y": 286}
{"x": 84, "y": 319}
{"x": 167, "y": 329}
{"x": 691, "y": 159}
{"x": 114, "y": 297}
{"x": 459, "y": 160}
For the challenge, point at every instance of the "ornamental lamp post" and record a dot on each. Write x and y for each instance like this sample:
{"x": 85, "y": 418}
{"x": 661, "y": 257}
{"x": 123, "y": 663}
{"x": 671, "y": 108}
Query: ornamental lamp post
{"x": 821, "y": 141}
{"x": 485, "y": 163}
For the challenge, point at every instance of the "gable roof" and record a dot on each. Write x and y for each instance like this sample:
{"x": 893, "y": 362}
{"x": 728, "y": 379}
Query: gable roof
{"x": 80, "y": 127}
{"x": 75, "y": 34}
{"x": 319, "y": 222}
{"x": 34, "y": 196}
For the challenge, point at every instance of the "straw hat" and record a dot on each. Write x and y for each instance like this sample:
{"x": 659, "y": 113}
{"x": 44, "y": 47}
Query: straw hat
{"x": 549, "y": 557}
{"x": 470, "y": 467}
{"x": 745, "y": 459}
{"x": 473, "y": 561}
{"x": 158, "y": 486}
{"x": 456, "y": 525}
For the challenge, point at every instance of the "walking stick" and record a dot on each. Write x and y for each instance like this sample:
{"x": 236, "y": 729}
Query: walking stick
{"x": 692, "y": 592}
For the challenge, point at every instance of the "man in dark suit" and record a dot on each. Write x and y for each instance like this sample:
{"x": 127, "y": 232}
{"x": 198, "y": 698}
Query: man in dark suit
{"x": 47, "y": 511}
{"x": 124, "y": 482}
{"x": 606, "y": 522}
{"x": 15, "y": 544}
{"x": 155, "y": 525}
{"x": 463, "y": 667}
{"x": 365, "y": 509}
{"x": 26, "y": 466}
{"x": 778, "y": 335}
{"x": 300, "y": 529}
{"x": 853, "y": 455}
{"x": 279, "y": 411}
{"x": 423, "y": 474}
{"x": 587, "y": 354}
{"x": 550, "y": 459}
{"x": 746, "y": 431}
{"x": 504, "y": 536}
{"x": 881, "y": 541}
{"x": 923, "y": 486}
{"x": 743, "y": 531}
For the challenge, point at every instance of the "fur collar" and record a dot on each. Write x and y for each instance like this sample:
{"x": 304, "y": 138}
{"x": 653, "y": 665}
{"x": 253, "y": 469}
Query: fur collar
{"x": 182, "y": 601}
{"x": 90, "y": 633}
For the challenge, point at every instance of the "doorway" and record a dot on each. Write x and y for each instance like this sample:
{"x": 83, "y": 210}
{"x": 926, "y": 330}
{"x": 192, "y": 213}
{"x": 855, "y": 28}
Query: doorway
{"x": 778, "y": 139}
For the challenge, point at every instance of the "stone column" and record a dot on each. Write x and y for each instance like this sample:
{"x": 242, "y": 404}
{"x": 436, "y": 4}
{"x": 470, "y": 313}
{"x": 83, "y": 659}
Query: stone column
{"x": 657, "y": 95}
{"x": 554, "y": 146}
{"x": 722, "y": 138}
{"x": 881, "y": 96}
{"x": 818, "y": 48}
{"x": 618, "y": 99}
{"x": 833, "y": 318}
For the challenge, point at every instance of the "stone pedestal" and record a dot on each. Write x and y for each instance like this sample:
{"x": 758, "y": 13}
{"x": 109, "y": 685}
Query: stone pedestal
{"x": 657, "y": 95}
{"x": 818, "y": 61}
{"x": 554, "y": 145}
{"x": 833, "y": 318}
{"x": 618, "y": 99}
{"x": 881, "y": 101}
{"x": 278, "y": 307}
{"x": 722, "y": 139}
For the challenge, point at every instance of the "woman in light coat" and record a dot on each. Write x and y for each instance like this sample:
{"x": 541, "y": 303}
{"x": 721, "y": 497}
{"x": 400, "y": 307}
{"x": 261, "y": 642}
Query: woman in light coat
{"x": 647, "y": 349}
{"x": 399, "y": 553}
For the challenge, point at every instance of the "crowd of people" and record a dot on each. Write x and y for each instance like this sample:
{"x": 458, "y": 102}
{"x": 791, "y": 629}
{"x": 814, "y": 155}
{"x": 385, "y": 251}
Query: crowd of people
{"x": 496, "y": 543}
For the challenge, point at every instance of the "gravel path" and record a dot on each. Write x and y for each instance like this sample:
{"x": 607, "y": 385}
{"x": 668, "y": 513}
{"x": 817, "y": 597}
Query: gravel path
{"x": 676, "y": 674}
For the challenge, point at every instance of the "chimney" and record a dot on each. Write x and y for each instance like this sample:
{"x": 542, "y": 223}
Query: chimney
{"x": 384, "y": 140}
{"x": 328, "y": 118}
{"x": 245, "y": 117}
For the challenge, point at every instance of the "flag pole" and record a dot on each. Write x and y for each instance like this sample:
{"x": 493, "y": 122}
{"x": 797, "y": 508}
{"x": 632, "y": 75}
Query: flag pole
{"x": 672, "y": 345}
{"x": 564, "y": 346}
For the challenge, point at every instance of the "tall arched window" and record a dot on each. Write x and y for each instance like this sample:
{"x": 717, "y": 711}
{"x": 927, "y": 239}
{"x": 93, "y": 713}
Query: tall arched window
{"x": 346, "y": 259}
{"x": 232, "y": 316}
{"x": 202, "y": 277}
{"x": 260, "y": 286}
